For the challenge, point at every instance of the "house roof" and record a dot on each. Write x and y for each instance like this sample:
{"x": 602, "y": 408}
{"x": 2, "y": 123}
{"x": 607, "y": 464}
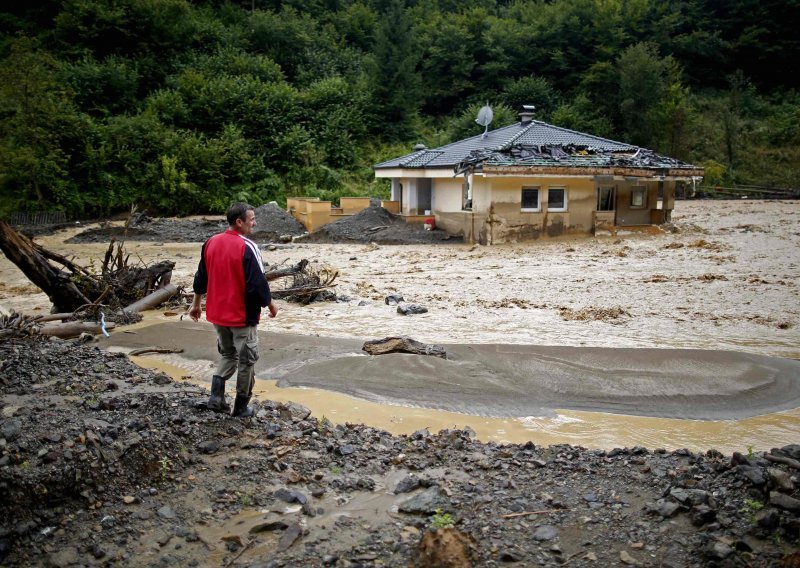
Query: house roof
{"x": 535, "y": 144}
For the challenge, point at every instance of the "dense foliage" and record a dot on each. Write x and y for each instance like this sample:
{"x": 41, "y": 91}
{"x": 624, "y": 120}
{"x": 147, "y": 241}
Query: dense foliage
{"x": 183, "y": 107}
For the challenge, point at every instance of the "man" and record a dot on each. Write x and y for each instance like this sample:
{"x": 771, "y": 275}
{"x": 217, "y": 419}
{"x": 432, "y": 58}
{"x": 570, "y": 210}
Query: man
{"x": 231, "y": 274}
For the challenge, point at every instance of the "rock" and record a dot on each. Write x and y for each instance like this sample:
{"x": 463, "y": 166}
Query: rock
{"x": 290, "y": 496}
{"x": 166, "y": 512}
{"x": 289, "y": 537}
{"x": 784, "y": 501}
{"x": 780, "y": 480}
{"x": 402, "y": 344}
{"x": 407, "y": 484}
{"x": 768, "y": 518}
{"x": 719, "y": 550}
{"x": 666, "y": 509}
{"x": 293, "y": 412}
{"x": 393, "y": 299}
{"x": 426, "y": 503}
{"x": 411, "y": 309}
{"x": 66, "y": 557}
{"x": 626, "y": 558}
{"x": 269, "y": 526}
{"x": 545, "y": 532}
{"x": 10, "y": 430}
{"x": 347, "y": 449}
{"x": 753, "y": 474}
{"x": 702, "y": 514}
{"x": 208, "y": 446}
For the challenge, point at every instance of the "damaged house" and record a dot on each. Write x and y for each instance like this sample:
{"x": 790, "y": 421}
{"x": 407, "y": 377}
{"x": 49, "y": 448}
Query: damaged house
{"x": 531, "y": 180}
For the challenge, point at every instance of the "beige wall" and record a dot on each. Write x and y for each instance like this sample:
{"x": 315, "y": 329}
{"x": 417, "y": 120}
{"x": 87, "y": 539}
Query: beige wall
{"x": 352, "y": 205}
{"x": 446, "y": 195}
{"x": 508, "y": 223}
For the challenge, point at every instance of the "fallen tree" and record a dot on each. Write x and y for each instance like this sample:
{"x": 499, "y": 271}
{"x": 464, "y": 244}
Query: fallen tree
{"x": 72, "y": 287}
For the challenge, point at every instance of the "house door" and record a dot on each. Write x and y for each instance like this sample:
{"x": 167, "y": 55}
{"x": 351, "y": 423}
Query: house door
{"x": 423, "y": 196}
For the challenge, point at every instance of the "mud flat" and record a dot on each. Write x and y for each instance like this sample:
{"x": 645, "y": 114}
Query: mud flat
{"x": 105, "y": 463}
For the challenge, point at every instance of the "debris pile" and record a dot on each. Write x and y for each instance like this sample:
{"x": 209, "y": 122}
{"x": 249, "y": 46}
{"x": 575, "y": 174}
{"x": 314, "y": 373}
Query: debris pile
{"x": 376, "y": 224}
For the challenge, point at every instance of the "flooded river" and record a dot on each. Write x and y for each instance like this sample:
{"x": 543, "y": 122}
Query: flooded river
{"x": 727, "y": 279}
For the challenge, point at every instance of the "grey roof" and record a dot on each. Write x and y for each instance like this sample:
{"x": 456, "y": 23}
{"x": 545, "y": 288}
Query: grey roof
{"x": 534, "y": 143}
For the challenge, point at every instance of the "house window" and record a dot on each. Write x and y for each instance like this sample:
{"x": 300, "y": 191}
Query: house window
{"x": 530, "y": 199}
{"x": 638, "y": 197}
{"x": 605, "y": 198}
{"x": 556, "y": 199}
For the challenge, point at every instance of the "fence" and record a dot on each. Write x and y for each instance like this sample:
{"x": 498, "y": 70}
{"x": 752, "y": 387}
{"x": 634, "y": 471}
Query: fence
{"x": 37, "y": 218}
{"x": 740, "y": 191}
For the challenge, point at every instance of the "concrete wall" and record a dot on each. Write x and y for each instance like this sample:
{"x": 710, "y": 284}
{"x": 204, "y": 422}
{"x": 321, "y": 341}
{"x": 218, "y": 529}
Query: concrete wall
{"x": 627, "y": 214}
{"x": 506, "y": 222}
{"x": 446, "y": 195}
{"x": 352, "y": 205}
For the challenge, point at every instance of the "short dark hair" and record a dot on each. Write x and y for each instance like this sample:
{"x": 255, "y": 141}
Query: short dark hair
{"x": 237, "y": 211}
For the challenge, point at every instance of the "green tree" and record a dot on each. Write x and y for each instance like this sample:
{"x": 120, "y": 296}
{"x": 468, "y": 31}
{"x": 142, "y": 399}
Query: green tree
{"x": 393, "y": 81}
{"x": 36, "y": 116}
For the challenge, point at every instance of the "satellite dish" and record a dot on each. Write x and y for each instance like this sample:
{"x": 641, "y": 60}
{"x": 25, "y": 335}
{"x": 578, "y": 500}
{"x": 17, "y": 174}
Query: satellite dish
{"x": 485, "y": 116}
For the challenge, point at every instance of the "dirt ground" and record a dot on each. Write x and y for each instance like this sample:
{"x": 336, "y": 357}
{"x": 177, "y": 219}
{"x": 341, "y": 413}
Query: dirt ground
{"x": 104, "y": 463}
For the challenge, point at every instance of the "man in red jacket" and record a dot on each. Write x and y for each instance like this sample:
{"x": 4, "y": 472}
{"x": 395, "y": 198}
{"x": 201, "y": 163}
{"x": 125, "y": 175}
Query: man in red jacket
{"x": 231, "y": 274}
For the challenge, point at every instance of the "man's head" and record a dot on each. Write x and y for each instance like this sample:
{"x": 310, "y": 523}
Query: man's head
{"x": 242, "y": 218}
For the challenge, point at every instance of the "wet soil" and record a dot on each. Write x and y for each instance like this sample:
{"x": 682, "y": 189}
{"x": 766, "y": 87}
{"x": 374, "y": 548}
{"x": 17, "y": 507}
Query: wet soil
{"x": 105, "y": 463}
{"x": 102, "y": 462}
{"x": 273, "y": 225}
{"x": 377, "y": 225}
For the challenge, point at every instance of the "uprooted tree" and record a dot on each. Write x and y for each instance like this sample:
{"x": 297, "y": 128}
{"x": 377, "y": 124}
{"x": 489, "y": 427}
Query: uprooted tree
{"x": 70, "y": 286}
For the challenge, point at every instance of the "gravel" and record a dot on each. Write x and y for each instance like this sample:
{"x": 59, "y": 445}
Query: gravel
{"x": 95, "y": 474}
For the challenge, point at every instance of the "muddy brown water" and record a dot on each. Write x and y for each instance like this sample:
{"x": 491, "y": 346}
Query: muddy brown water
{"x": 728, "y": 279}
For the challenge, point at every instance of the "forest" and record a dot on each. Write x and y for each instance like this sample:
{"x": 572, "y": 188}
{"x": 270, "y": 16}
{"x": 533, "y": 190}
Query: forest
{"x": 182, "y": 107}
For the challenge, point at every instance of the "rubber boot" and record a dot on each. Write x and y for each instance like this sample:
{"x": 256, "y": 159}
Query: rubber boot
{"x": 240, "y": 408}
{"x": 216, "y": 401}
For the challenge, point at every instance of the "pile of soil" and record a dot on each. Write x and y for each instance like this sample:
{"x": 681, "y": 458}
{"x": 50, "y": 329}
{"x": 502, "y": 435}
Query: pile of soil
{"x": 102, "y": 462}
{"x": 273, "y": 225}
{"x": 376, "y": 224}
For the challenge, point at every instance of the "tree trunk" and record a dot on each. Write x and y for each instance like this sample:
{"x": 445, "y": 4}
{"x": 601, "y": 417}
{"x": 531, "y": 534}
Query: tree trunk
{"x": 65, "y": 296}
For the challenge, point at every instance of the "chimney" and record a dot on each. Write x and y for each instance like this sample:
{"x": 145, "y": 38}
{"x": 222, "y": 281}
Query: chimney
{"x": 526, "y": 116}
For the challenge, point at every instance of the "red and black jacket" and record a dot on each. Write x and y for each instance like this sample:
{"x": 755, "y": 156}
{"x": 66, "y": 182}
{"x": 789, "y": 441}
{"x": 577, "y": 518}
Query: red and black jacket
{"x": 231, "y": 274}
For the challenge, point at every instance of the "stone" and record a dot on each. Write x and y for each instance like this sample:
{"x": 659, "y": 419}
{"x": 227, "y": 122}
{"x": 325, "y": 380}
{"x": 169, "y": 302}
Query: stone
{"x": 411, "y": 309}
{"x": 780, "y": 480}
{"x": 66, "y": 557}
{"x": 427, "y": 502}
{"x": 407, "y": 484}
{"x": 626, "y": 558}
{"x": 290, "y": 496}
{"x": 289, "y": 537}
{"x": 166, "y": 512}
{"x": 293, "y": 412}
{"x": 208, "y": 446}
{"x": 719, "y": 550}
{"x": 702, "y": 514}
{"x": 393, "y": 299}
{"x": 784, "y": 501}
{"x": 545, "y": 532}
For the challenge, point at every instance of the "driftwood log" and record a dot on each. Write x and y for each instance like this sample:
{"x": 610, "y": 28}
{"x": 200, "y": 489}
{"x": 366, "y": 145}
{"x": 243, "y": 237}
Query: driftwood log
{"x": 403, "y": 344}
{"x": 73, "y": 329}
{"x": 276, "y": 273}
{"x": 153, "y": 299}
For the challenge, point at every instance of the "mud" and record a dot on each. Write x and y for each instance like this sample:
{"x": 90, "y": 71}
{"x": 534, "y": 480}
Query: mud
{"x": 103, "y": 463}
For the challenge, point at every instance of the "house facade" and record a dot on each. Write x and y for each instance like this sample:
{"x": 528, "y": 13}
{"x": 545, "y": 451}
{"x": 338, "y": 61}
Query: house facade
{"x": 532, "y": 180}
